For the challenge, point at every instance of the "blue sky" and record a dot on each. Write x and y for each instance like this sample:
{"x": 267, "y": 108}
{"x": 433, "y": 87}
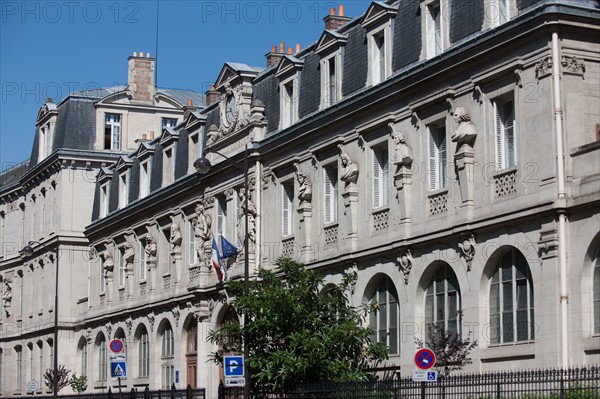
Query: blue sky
{"x": 49, "y": 48}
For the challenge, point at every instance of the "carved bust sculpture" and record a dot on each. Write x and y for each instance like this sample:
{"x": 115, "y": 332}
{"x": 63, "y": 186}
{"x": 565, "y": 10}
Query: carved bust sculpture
{"x": 129, "y": 254}
{"x": 175, "y": 238}
{"x": 109, "y": 263}
{"x": 466, "y": 132}
{"x": 305, "y": 189}
{"x": 402, "y": 152}
{"x": 150, "y": 248}
{"x": 349, "y": 173}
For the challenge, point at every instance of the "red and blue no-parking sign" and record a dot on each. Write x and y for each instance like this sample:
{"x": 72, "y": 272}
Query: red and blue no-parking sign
{"x": 116, "y": 346}
{"x": 425, "y": 358}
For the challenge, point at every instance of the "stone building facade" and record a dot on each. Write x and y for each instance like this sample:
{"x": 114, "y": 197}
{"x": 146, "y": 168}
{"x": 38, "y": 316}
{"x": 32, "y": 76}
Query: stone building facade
{"x": 48, "y": 201}
{"x": 446, "y": 152}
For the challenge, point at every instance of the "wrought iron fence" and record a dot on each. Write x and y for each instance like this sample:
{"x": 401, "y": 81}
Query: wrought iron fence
{"x": 189, "y": 393}
{"x": 575, "y": 383}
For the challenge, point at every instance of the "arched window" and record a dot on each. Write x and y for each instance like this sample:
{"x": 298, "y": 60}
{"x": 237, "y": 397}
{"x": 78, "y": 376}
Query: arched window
{"x": 101, "y": 351}
{"x": 596, "y": 290}
{"x": 143, "y": 353}
{"x": 83, "y": 355}
{"x": 40, "y": 346}
{"x": 511, "y": 300}
{"x": 384, "y": 321}
{"x": 19, "y": 361}
{"x": 442, "y": 302}
{"x": 167, "y": 360}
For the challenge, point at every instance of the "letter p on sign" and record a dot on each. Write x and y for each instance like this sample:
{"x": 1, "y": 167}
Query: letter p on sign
{"x": 233, "y": 366}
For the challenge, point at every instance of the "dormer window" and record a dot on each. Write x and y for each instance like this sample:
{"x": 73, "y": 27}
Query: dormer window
{"x": 112, "y": 132}
{"x": 123, "y": 190}
{"x": 43, "y": 142}
{"x": 144, "y": 179}
{"x": 169, "y": 166}
{"x": 331, "y": 77}
{"x": 436, "y": 28}
{"x": 289, "y": 103}
{"x": 378, "y": 22}
{"x": 498, "y": 12}
{"x": 104, "y": 191}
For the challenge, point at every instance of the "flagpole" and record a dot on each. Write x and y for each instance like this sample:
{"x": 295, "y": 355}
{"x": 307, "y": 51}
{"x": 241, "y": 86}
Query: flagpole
{"x": 246, "y": 277}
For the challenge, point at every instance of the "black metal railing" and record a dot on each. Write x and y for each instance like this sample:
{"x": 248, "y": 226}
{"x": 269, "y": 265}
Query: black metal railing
{"x": 575, "y": 383}
{"x": 188, "y": 393}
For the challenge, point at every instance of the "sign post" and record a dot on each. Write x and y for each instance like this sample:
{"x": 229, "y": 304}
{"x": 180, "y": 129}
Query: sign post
{"x": 233, "y": 367}
{"x": 118, "y": 365}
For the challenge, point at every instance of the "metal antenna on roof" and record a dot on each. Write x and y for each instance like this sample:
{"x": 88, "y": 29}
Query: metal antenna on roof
{"x": 156, "y": 52}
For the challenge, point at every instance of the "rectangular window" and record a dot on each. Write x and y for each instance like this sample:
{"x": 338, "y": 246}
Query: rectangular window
{"x": 438, "y": 157}
{"x": 121, "y": 271}
{"x": 144, "y": 356}
{"x": 288, "y": 104}
{"x": 381, "y": 177}
{"x": 287, "y": 198}
{"x": 169, "y": 122}
{"x": 42, "y": 145}
{"x": 504, "y": 115}
{"x": 435, "y": 30}
{"x": 102, "y": 279}
{"x": 330, "y": 178}
{"x": 112, "y": 132}
{"x": 169, "y": 166}
{"x": 194, "y": 152}
{"x": 84, "y": 359}
{"x": 144, "y": 179}
{"x": 330, "y": 75}
{"x": 167, "y": 353}
{"x": 192, "y": 254}
{"x": 104, "y": 200}
{"x": 498, "y": 12}
{"x": 142, "y": 258}
{"x": 221, "y": 215}
{"x": 123, "y": 191}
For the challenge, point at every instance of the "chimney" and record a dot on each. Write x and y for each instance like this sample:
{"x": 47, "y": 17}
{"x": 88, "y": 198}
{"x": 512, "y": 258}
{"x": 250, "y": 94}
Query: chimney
{"x": 212, "y": 96}
{"x": 140, "y": 77}
{"x": 188, "y": 109}
{"x": 273, "y": 56}
{"x": 334, "y": 22}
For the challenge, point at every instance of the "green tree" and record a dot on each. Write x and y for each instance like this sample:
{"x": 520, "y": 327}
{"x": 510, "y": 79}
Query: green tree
{"x": 298, "y": 331}
{"x": 78, "y": 384}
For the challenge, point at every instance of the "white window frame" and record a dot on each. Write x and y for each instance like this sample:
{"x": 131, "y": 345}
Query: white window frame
{"x": 168, "y": 122}
{"x": 498, "y": 12}
{"x": 505, "y": 128}
{"x": 381, "y": 177}
{"x": 436, "y": 28}
{"x": 169, "y": 165}
{"x": 84, "y": 357}
{"x": 596, "y": 296}
{"x": 381, "y": 321}
{"x": 102, "y": 360}
{"x": 19, "y": 364}
{"x": 102, "y": 288}
{"x": 287, "y": 209}
{"x": 380, "y": 57}
{"x": 503, "y": 310}
{"x": 145, "y": 170}
{"x": 167, "y": 358}
{"x": 331, "y": 91}
{"x": 143, "y": 261}
{"x": 195, "y": 147}
{"x": 104, "y": 198}
{"x": 143, "y": 355}
{"x": 437, "y": 154}
{"x": 451, "y": 322}
{"x": 289, "y": 101}
{"x": 192, "y": 254}
{"x": 43, "y": 142}
{"x": 330, "y": 194}
{"x": 112, "y": 127}
{"x": 221, "y": 215}
{"x": 123, "y": 189}
{"x": 121, "y": 268}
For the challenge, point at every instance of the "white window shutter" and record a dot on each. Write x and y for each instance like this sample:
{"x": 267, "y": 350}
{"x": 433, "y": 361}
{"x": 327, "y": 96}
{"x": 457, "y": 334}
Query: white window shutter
{"x": 509, "y": 131}
{"x": 328, "y": 197}
{"x": 376, "y": 180}
{"x": 285, "y": 212}
{"x": 499, "y": 137}
{"x": 433, "y": 175}
{"x": 385, "y": 178}
{"x": 442, "y": 157}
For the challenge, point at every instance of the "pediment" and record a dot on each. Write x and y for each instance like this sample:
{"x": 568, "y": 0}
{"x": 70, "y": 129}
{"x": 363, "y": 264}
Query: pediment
{"x": 378, "y": 12}
{"x": 232, "y": 71}
{"x": 168, "y": 135}
{"x": 162, "y": 98}
{"x": 194, "y": 119}
{"x": 288, "y": 64}
{"x": 330, "y": 40}
{"x": 46, "y": 111}
{"x": 145, "y": 149}
{"x": 105, "y": 173}
{"x": 124, "y": 162}
{"x": 119, "y": 97}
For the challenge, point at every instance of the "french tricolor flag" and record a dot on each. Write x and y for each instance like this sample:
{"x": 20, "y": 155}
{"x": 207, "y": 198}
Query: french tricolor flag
{"x": 216, "y": 260}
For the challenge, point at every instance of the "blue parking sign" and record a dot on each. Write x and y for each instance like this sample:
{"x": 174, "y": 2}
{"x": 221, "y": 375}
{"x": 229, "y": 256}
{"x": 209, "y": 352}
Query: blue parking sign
{"x": 233, "y": 366}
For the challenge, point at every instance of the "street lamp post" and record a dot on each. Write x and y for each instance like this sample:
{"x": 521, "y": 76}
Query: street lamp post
{"x": 203, "y": 165}
{"x": 28, "y": 251}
